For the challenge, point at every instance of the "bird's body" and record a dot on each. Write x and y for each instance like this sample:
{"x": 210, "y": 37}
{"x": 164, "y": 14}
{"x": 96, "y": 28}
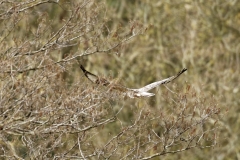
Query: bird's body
{"x": 132, "y": 93}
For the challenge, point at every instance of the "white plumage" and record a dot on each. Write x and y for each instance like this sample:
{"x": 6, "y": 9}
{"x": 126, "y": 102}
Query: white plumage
{"x": 132, "y": 93}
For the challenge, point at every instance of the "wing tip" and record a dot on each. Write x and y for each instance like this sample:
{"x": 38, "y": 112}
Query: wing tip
{"x": 183, "y": 70}
{"x": 83, "y": 69}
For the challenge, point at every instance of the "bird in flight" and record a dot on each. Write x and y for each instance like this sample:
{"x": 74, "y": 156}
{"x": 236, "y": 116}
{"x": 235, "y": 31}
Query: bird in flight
{"x": 132, "y": 93}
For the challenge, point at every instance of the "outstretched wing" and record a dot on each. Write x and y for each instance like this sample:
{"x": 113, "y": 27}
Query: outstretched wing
{"x": 94, "y": 78}
{"x": 155, "y": 84}
{"x": 102, "y": 81}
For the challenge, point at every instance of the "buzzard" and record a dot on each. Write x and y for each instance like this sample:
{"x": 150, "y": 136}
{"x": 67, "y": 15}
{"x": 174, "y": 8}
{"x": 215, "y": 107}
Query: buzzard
{"x": 132, "y": 93}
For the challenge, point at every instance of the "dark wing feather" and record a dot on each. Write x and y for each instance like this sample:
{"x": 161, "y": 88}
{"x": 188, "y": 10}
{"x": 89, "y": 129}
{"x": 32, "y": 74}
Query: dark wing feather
{"x": 94, "y": 78}
{"x": 165, "y": 81}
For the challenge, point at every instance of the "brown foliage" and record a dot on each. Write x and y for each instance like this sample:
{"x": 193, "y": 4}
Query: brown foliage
{"x": 49, "y": 109}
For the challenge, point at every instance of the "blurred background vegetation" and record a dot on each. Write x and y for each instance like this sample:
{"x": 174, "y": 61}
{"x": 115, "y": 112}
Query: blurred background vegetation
{"x": 203, "y": 36}
{"x": 200, "y": 35}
